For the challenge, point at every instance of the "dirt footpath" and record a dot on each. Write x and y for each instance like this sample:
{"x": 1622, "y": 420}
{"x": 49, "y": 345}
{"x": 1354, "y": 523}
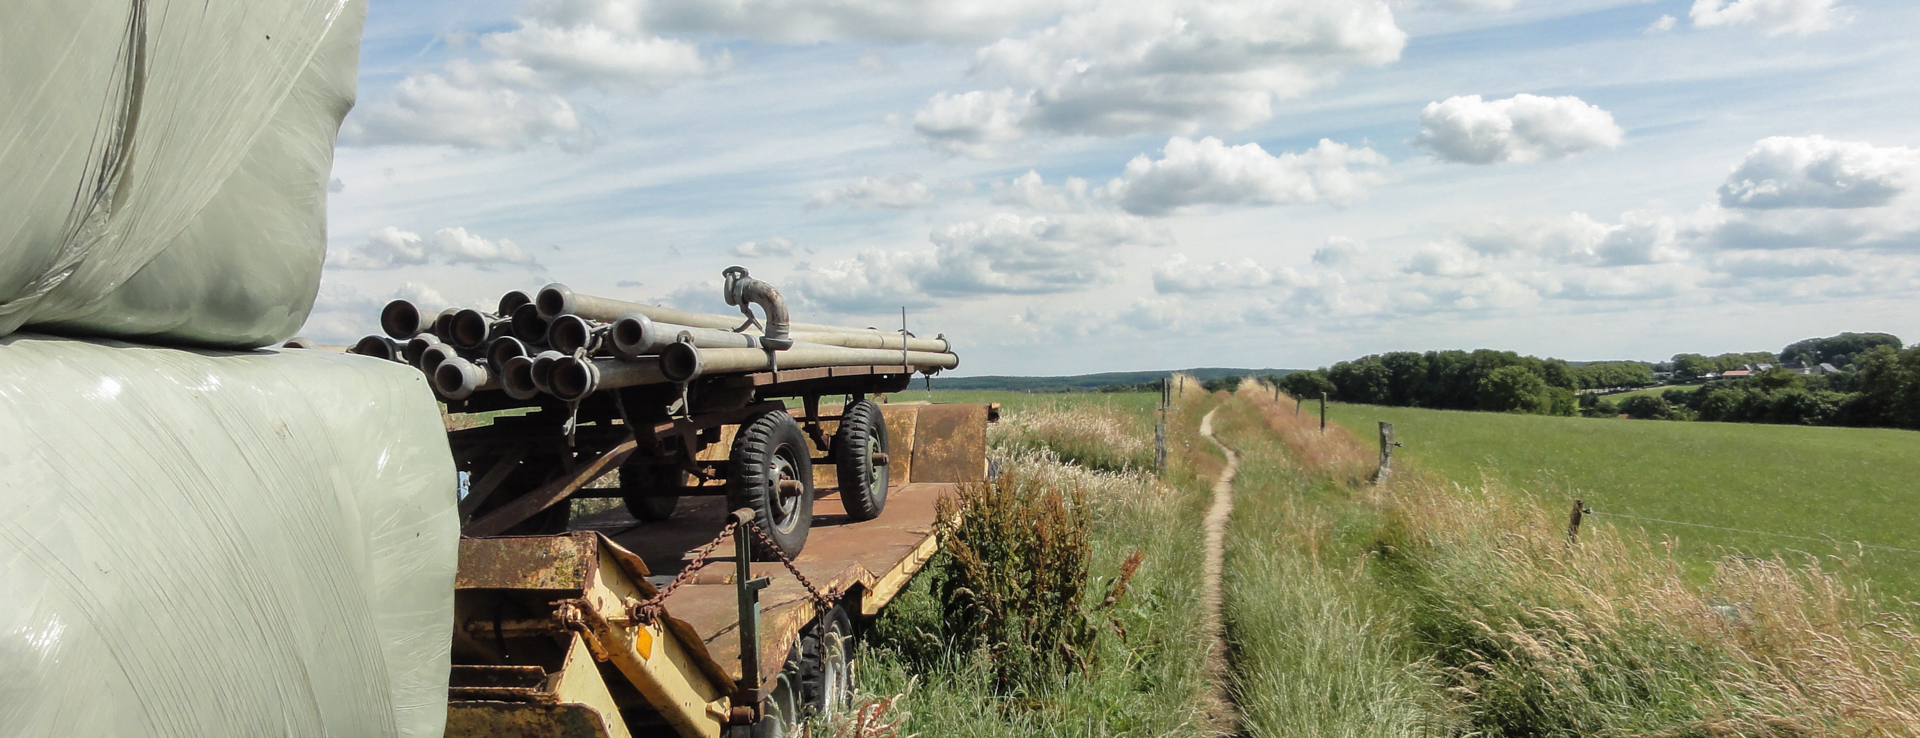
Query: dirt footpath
{"x": 1222, "y": 717}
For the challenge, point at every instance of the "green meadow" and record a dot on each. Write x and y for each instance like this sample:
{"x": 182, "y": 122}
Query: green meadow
{"x": 1785, "y": 488}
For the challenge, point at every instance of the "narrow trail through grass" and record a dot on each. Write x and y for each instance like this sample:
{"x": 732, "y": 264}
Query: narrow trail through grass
{"x": 1222, "y": 716}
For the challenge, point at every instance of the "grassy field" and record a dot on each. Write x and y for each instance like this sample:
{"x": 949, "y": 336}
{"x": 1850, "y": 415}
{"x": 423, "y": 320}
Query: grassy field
{"x": 1617, "y": 396}
{"x": 1790, "y": 483}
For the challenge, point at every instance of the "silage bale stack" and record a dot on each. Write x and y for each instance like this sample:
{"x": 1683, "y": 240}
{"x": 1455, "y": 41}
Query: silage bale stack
{"x": 198, "y": 537}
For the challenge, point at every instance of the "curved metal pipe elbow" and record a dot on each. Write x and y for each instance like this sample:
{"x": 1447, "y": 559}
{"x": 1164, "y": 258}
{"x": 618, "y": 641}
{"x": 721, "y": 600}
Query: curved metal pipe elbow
{"x": 742, "y": 290}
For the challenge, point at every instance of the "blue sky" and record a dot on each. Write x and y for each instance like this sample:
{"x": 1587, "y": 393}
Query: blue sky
{"x": 1093, "y": 185}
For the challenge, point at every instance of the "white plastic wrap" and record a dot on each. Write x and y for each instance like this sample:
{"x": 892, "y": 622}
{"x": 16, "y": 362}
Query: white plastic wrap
{"x": 165, "y": 164}
{"x": 207, "y": 543}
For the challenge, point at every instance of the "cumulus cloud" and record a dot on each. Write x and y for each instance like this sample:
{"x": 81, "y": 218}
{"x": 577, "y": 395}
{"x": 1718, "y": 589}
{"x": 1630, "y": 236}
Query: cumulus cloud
{"x": 517, "y": 97}
{"x": 1208, "y": 171}
{"x": 1521, "y": 128}
{"x": 461, "y": 106}
{"x": 392, "y": 248}
{"x": 1123, "y": 67}
{"x": 1662, "y": 24}
{"x": 1773, "y": 268}
{"x": 1817, "y": 172}
{"x": 983, "y": 124}
{"x": 1772, "y": 17}
{"x": 814, "y": 21}
{"x": 900, "y": 191}
{"x": 1177, "y": 275}
{"x": 1576, "y": 238}
{"x": 1004, "y": 253}
{"x": 1340, "y": 251}
{"x": 768, "y": 248}
{"x": 1031, "y": 192}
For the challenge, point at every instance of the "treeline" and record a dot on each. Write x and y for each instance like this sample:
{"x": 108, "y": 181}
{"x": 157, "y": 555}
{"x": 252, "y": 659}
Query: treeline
{"x": 1879, "y": 388}
{"x": 1466, "y": 380}
{"x": 1875, "y": 382}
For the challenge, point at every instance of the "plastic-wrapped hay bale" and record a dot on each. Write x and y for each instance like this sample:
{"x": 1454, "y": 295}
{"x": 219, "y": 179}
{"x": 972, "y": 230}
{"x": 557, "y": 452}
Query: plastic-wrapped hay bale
{"x": 166, "y": 164}
{"x": 206, "y": 543}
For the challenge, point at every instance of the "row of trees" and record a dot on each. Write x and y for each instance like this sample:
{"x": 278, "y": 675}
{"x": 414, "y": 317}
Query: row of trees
{"x": 1501, "y": 381}
{"x": 1878, "y": 384}
{"x": 1879, "y": 388}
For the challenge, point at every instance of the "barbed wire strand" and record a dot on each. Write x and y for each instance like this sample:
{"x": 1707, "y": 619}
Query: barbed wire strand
{"x": 1591, "y": 511}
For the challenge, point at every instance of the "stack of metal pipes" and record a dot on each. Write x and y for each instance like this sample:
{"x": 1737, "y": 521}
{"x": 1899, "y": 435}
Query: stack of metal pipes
{"x": 561, "y": 343}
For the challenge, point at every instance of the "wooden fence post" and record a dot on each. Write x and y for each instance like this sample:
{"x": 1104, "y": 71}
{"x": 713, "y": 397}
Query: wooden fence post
{"x": 1386, "y": 452}
{"x": 1323, "y": 412}
{"x": 1160, "y": 431}
{"x": 1573, "y": 521}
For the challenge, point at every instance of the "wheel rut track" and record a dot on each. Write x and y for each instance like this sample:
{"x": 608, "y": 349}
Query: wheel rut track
{"x": 1222, "y": 714}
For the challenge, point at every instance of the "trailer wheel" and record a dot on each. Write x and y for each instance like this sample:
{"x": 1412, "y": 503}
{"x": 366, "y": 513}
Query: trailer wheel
{"x": 770, "y": 449}
{"x": 782, "y": 707}
{"x": 863, "y": 485}
{"x": 826, "y": 671}
{"x": 644, "y": 486}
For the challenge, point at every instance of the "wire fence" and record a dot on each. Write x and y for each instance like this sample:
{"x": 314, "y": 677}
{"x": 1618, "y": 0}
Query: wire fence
{"x": 1590, "y": 511}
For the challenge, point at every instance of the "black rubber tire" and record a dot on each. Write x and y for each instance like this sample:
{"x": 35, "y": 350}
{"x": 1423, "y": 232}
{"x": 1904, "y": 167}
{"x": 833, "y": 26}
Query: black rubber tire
{"x": 826, "y": 668}
{"x": 863, "y": 486}
{"x": 785, "y": 717}
{"x": 642, "y": 486}
{"x": 770, "y": 447}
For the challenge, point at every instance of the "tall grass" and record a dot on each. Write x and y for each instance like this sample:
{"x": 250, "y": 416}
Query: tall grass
{"x": 1310, "y": 656}
{"x": 1141, "y": 672}
{"x": 1530, "y": 634}
{"x": 1093, "y": 434}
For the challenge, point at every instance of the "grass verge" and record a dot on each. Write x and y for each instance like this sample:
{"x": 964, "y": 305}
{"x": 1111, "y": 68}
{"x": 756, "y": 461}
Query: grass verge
{"x": 1141, "y": 672}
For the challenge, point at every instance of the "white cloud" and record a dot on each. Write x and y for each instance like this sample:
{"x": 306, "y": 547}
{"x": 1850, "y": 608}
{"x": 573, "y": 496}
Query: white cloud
{"x": 1763, "y": 267}
{"x": 465, "y": 107}
{"x": 1177, "y": 275}
{"x": 1011, "y": 254}
{"x": 1340, "y": 251}
{"x": 900, "y": 191}
{"x": 1772, "y": 17}
{"x": 1003, "y": 253}
{"x": 1521, "y": 128}
{"x": 812, "y": 21}
{"x": 1208, "y": 171}
{"x": 1123, "y": 67}
{"x": 391, "y": 248}
{"x": 983, "y": 124}
{"x": 1664, "y": 24}
{"x": 1576, "y": 238}
{"x": 1443, "y": 260}
{"x": 873, "y": 280}
{"x": 1817, "y": 172}
{"x": 1030, "y": 192}
{"x": 516, "y": 98}
{"x": 1476, "y": 5}
{"x": 768, "y": 248}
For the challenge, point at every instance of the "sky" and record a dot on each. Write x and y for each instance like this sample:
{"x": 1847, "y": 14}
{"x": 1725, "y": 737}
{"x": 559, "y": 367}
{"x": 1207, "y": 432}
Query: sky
{"x": 1073, "y": 186}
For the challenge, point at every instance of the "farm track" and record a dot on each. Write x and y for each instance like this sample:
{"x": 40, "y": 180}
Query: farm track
{"x": 1222, "y": 715}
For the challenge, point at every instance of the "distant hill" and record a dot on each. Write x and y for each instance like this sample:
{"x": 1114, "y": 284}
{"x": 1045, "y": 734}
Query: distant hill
{"x": 1089, "y": 382}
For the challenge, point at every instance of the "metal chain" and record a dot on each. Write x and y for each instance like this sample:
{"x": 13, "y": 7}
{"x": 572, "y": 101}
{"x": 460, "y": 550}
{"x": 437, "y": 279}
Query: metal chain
{"x": 649, "y": 609}
{"x": 823, "y": 600}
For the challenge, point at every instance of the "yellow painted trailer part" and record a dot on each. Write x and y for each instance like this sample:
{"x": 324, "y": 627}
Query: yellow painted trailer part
{"x": 544, "y": 645}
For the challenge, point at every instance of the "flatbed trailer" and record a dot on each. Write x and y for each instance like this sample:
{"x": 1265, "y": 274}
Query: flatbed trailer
{"x": 569, "y": 634}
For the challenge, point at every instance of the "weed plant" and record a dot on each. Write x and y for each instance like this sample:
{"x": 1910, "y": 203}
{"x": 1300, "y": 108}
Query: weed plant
{"x": 1138, "y": 671}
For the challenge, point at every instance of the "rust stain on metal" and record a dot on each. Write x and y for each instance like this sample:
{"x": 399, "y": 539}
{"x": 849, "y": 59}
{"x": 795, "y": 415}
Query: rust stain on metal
{"x": 522, "y": 720}
{"x": 528, "y": 695}
{"x": 950, "y": 444}
{"x": 527, "y": 562}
